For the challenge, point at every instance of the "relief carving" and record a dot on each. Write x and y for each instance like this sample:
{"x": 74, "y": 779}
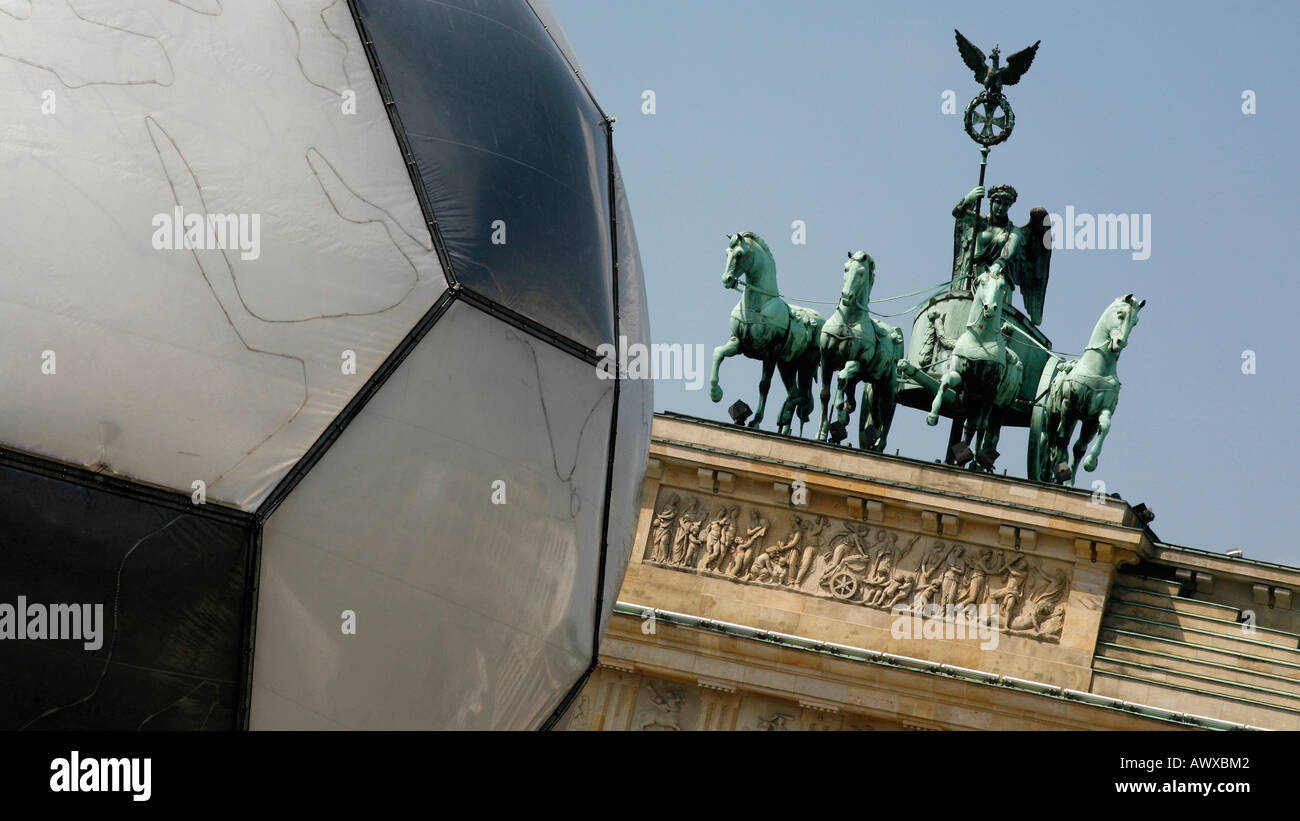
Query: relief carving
{"x": 664, "y": 709}
{"x": 773, "y": 723}
{"x": 860, "y": 563}
{"x": 936, "y": 345}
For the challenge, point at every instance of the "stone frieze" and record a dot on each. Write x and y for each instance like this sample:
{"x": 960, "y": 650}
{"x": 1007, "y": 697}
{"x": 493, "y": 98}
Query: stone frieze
{"x": 856, "y": 562}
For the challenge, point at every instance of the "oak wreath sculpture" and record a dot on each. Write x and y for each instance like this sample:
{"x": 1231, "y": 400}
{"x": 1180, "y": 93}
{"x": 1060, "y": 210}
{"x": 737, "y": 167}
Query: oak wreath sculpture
{"x": 973, "y": 358}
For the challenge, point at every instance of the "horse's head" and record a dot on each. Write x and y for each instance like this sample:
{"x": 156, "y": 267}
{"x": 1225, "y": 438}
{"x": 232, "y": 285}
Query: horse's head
{"x": 859, "y": 277}
{"x": 1118, "y": 322}
{"x": 748, "y": 256}
{"x": 737, "y": 251}
{"x": 990, "y": 294}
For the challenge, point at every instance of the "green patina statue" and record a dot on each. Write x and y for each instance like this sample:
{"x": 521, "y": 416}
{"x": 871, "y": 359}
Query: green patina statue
{"x": 1087, "y": 390}
{"x": 974, "y": 357}
{"x": 981, "y": 243}
{"x": 979, "y": 361}
{"x": 857, "y": 348}
{"x": 1022, "y": 254}
{"x": 993, "y": 77}
{"x": 783, "y": 337}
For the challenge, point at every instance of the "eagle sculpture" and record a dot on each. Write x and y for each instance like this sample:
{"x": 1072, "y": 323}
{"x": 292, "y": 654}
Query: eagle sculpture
{"x": 992, "y": 76}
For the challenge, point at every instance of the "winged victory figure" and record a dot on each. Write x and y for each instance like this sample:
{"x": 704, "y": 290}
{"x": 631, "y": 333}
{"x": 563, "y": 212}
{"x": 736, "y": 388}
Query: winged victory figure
{"x": 1022, "y": 253}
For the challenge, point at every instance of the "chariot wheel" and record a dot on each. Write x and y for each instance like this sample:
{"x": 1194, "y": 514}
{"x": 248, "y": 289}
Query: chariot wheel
{"x": 844, "y": 585}
{"x": 1039, "y": 467}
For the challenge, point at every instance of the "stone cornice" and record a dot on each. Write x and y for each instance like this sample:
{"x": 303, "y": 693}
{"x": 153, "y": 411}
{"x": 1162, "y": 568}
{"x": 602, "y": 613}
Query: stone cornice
{"x": 1066, "y": 512}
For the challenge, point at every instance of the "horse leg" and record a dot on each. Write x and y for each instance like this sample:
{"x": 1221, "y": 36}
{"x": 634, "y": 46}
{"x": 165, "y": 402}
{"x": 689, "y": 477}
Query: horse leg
{"x": 846, "y": 391}
{"x": 790, "y": 378}
{"x": 952, "y": 380}
{"x": 976, "y": 446}
{"x": 764, "y": 383}
{"x": 984, "y": 435}
{"x": 1086, "y": 431}
{"x": 1065, "y": 432}
{"x": 828, "y": 373}
{"x": 885, "y": 394}
{"x": 869, "y": 416}
{"x": 974, "y": 437}
{"x": 851, "y": 388}
{"x": 730, "y": 348}
{"x": 976, "y": 414}
{"x": 1103, "y": 428}
{"x": 805, "y": 377}
{"x": 1052, "y": 433}
{"x": 972, "y": 427}
{"x": 837, "y": 401}
{"x": 993, "y": 434}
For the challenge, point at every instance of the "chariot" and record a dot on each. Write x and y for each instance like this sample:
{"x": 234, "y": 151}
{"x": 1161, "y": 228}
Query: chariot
{"x": 973, "y": 357}
{"x": 938, "y": 323}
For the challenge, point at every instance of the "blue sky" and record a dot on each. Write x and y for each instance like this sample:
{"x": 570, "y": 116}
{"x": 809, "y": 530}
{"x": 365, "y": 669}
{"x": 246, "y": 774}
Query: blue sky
{"x": 830, "y": 113}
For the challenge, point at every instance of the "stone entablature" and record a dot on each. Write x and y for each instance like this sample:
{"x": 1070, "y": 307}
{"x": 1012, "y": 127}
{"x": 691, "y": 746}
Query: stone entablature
{"x": 678, "y": 678}
{"x": 835, "y": 544}
{"x": 832, "y": 545}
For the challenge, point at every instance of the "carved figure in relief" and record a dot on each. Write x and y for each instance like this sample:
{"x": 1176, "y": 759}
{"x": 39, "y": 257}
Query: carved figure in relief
{"x": 898, "y": 590}
{"x": 743, "y": 551}
{"x": 772, "y": 564}
{"x": 887, "y": 561}
{"x": 851, "y": 543}
{"x": 981, "y": 567}
{"x": 694, "y": 539}
{"x": 1039, "y": 619}
{"x": 666, "y": 709}
{"x": 581, "y": 718}
{"x": 879, "y": 575}
{"x": 767, "y": 567}
{"x": 713, "y": 538}
{"x": 1044, "y": 613}
{"x": 663, "y": 530}
{"x": 928, "y": 575}
{"x": 1053, "y": 624}
{"x": 776, "y": 721}
{"x": 881, "y": 543}
{"x": 1057, "y": 583}
{"x": 812, "y": 543}
{"x": 680, "y": 540}
{"x": 953, "y": 574}
{"x": 1009, "y": 596}
{"x": 728, "y": 538}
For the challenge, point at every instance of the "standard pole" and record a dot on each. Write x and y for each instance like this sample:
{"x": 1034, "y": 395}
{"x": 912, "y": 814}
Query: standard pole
{"x": 970, "y": 272}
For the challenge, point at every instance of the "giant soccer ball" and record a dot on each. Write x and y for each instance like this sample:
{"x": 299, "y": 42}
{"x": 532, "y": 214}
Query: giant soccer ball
{"x": 300, "y": 310}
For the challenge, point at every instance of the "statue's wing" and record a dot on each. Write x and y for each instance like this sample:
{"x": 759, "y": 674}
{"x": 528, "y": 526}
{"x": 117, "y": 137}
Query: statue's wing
{"x": 973, "y": 57}
{"x": 963, "y": 245}
{"x": 1034, "y": 262}
{"x": 1018, "y": 64}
